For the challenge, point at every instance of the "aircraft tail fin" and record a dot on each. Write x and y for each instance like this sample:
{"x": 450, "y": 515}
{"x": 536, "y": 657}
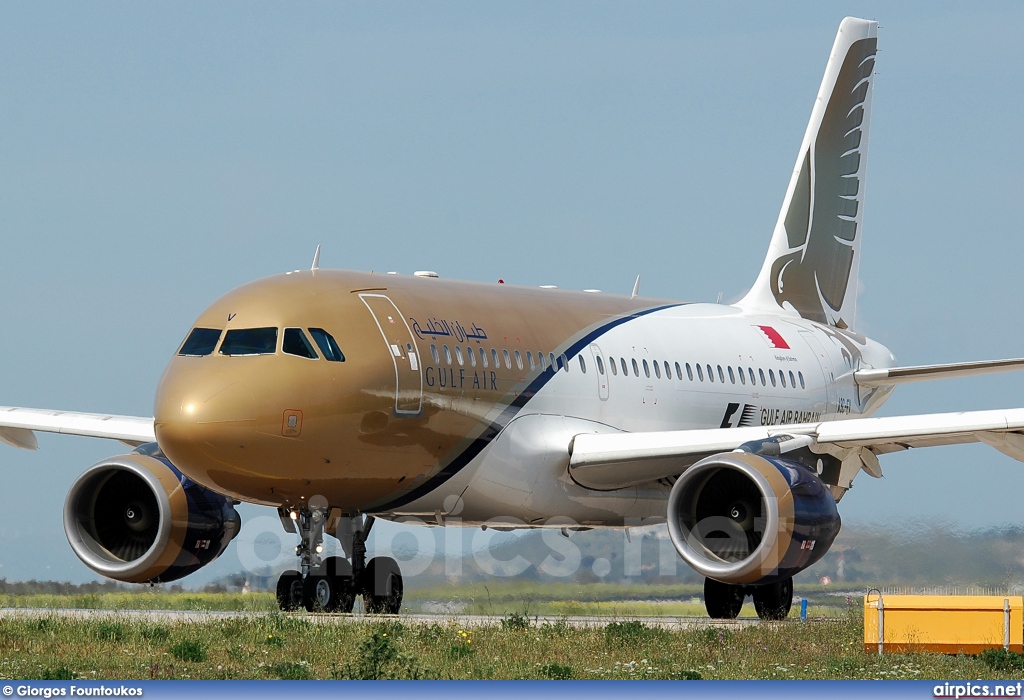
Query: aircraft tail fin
{"x": 814, "y": 255}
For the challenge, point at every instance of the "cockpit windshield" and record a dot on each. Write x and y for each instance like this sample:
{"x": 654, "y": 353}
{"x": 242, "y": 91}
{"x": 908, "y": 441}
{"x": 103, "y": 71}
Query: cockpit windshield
{"x": 249, "y": 341}
{"x": 296, "y": 343}
{"x": 328, "y": 346}
{"x": 201, "y": 341}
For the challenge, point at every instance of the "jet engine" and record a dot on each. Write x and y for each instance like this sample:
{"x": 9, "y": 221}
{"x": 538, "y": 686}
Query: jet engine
{"x": 136, "y": 518}
{"x": 746, "y": 518}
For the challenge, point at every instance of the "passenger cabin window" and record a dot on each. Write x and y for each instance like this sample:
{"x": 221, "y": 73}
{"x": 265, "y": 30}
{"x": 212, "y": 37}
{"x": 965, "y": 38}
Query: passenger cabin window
{"x": 771, "y": 376}
{"x": 743, "y": 377}
{"x": 472, "y": 356}
{"x": 433, "y": 352}
{"x": 600, "y": 364}
{"x": 249, "y": 341}
{"x": 565, "y": 362}
{"x": 689, "y": 371}
{"x": 801, "y": 376}
{"x": 494, "y": 356}
{"x": 636, "y": 368}
{"x": 328, "y": 346}
{"x": 200, "y": 342}
{"x": 647, "y": 369}
{"x": 458, "y": 355}
{"x": 508, "y": 360}
{"x": 583, "y": 365}
{"x": 700, "y": 373}
{"x": 612, "y": 366}
{"x": 529, "y": 359}
{"x": 519, "y": 359}
{"x": 483, "y": 356}
{"x": 792, "y": 379}
{"x": 622, "y": 361}
{"x": 732, "y": 377}
{"x": 296, "y": 343}
{"x": 679, "y": 372}
{"x": 721, "y": 375}
{"x": 657, "y": 369}
{"x": 668, "y": 371}
{"x": 760, "y": 373}
{"x": 447, "y": 354}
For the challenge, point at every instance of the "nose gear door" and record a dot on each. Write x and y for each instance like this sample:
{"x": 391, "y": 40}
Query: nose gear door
{"x": 401, "y": 346}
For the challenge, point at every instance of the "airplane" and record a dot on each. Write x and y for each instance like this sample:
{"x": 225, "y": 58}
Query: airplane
{"x": 341, "y": 397}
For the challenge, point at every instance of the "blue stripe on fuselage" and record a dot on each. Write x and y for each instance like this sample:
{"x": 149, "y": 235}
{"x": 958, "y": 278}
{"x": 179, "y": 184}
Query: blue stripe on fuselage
{"x": 496, "y": 426}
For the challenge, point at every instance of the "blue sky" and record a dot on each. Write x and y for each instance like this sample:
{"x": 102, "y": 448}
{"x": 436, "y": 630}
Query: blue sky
{"x": 152, "y": 157}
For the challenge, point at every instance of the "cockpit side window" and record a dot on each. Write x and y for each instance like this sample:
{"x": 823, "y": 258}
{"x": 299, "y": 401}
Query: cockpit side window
{"x": 249, "y": 341}
{"x": 325, "y": 341}
{"x": 296, "y": 343}
{"x": 201, "y": 341}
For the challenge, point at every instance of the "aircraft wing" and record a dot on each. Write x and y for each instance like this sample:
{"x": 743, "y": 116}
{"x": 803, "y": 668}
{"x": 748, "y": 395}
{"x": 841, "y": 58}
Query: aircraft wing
{"x": 610, "y": 461}
{"x": 18, "y": 426}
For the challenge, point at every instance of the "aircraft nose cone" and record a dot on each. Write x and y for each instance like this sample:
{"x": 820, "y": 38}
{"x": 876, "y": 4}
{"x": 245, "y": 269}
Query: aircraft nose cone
{"x": 195, "y": 398}
{"x": 204, "y": 419}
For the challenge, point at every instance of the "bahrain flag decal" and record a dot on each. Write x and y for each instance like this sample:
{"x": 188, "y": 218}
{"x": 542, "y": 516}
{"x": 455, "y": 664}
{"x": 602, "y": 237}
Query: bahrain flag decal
{"x": 773, "y": 337}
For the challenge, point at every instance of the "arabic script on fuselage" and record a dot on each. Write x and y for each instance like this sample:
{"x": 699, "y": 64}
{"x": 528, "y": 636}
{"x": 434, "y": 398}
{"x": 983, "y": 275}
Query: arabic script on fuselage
{"x": 442, "y": 328}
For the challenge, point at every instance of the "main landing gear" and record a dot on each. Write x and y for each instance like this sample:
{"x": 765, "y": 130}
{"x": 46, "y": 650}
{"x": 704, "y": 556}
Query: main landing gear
{"x": 332, "y": 584}
{"x": 772, "y": 601}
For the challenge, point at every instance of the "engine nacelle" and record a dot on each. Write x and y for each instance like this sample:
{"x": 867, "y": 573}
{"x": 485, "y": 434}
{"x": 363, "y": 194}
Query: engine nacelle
{"x": 136, "y": 518}
{"x": 746, "y": 518}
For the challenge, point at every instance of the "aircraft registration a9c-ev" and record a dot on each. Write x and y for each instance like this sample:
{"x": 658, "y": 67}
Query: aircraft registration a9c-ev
{"x": 340, "y": 397}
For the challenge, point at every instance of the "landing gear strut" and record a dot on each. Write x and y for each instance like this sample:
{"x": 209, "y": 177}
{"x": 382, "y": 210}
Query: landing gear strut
{"x": 332, "y": 584}
{"x": 772, "y": 601}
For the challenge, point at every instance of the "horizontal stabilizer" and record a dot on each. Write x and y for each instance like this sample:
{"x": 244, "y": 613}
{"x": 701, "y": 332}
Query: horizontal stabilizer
{"x": 904, "y": 375}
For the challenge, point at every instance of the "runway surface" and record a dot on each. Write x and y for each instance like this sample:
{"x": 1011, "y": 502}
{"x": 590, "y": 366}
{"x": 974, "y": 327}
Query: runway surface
{"x": 665, "y": 622}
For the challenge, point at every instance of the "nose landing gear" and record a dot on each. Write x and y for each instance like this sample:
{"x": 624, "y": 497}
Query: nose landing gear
{"x": 332, "y": 584}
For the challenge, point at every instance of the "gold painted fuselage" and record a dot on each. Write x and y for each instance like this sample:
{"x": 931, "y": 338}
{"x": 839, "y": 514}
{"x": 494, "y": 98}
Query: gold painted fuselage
{"x": 278, "y": 429}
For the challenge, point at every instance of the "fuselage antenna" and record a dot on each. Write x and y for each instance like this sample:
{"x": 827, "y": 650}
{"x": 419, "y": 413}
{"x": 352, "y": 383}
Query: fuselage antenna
{"x": 636, "y": 288}
{"x": 316, "y": 259}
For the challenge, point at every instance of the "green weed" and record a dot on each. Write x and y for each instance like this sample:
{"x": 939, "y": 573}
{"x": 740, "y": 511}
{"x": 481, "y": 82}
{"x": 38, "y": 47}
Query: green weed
{"x": 1002, "y": 660}
{"x": 515, "y": 621}
{"x": 108, "y": 631}
{"x": 189, "y": 650}
{"x": 556, "y": 671}
{"x": 291, "y": 671}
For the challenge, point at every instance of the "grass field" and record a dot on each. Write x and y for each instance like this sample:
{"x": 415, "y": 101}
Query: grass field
{"x": 272, "y": 646}
{"x": 494, "y": 598}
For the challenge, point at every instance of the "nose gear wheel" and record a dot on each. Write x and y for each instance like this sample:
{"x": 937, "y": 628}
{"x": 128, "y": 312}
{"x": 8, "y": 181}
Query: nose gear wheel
{"x": 332, "y": 584}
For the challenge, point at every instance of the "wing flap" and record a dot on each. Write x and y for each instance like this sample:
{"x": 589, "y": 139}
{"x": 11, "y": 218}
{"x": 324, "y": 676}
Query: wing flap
{"x": 17, "y": 426}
